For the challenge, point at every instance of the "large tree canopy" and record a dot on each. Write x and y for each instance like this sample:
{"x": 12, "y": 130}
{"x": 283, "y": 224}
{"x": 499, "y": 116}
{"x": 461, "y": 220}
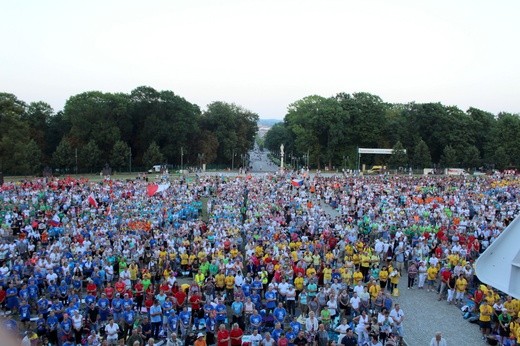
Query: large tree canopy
{"x": 148, "y": 125}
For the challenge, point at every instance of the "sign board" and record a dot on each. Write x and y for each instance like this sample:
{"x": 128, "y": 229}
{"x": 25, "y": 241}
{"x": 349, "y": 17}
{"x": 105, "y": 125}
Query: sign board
{"x": 376, "y": 151}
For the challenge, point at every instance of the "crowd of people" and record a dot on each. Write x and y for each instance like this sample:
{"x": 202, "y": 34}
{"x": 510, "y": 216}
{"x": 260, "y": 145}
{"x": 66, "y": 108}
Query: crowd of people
{"x": 249, "y": 259}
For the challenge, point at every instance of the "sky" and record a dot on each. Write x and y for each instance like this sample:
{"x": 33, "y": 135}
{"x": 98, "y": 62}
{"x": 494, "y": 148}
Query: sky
{"x": 265, "y": 54}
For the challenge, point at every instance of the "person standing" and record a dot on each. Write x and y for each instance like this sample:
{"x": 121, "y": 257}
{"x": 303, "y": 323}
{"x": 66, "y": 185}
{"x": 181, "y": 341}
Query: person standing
{"x": 223, "y": 336}
{"x": 397, "y": 315}
{"x": 486, "y": 311}
{"x": 438, "y": 340}
{"x": 412, "y": 274}
{"x": 156, "y": 319}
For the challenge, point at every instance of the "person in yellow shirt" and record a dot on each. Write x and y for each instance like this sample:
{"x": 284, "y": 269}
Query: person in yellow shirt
{"x": 356, "y": 259}
{"x": 486, "y": 311}
{"x": 184, "y": 261}
{"x": 329, "y": 258}
{"x": 310, "y": 272}
{"x": 374, "y": 289}
{"x": 383, "y": 277}
{"x": 358, "y": 275}
{"x": 394, "y": 279}
{"x": 460, "y": 288}
{"x": 365, "y": 263}
{"x": 199, "y": 278}
{"x": 327, "y": 275}
{"x": 299, "y": 283}
{"x": 220, "y": 281}
{"x": 133, "y": 268}
{"x": 230, "y": 286}
{"x": 431, "y": 277}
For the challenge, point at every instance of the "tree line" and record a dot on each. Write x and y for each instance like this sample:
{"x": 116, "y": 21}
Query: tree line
{"x": 326, "y": 132}
{"x": 142, "y": 128}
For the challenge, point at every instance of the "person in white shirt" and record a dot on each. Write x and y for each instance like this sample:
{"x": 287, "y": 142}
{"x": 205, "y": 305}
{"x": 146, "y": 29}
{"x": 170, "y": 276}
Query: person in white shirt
{"x": 311, "y": 323}
{"x": 112, "y": 330}
{"x": 438, "y": 340}
{"x": 342, "y": 329}
{"x": 397, "y": 315}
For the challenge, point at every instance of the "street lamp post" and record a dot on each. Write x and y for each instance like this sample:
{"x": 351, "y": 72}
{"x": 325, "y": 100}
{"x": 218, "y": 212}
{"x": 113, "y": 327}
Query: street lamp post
{"x": 233, "y": 160}
{"x": 182, "y": 160}
{"x": 281, "y": 157}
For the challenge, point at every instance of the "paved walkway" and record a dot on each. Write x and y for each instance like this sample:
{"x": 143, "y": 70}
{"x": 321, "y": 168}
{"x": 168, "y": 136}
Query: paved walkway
{"x": 425, "y": 315}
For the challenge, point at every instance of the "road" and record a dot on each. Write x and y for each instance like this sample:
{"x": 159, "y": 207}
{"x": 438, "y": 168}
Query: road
{"x": 260, "y": 162}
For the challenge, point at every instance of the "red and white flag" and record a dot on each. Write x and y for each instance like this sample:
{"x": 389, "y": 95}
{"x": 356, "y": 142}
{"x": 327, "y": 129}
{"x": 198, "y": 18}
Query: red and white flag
{"x": 92, "y": 201}
{"x": 152, "y": 189}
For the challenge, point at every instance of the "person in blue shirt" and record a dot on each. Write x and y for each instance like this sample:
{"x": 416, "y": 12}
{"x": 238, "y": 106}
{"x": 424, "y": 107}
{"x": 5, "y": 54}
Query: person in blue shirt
{"x": 23, "y": 294}
{"x": 255, "y": 321}
{"x": 270, "y": 297}
{"x": 33, "y": 291}
{"x": 65, "y": 328}
{"x": 104, "y": 308}
{"x": 57, "y": 307}
{"x": 52, "y": 290}
{"x": 43, "y": 307}
{"x": 127, "y": 302}
{"x": 156, "y": 318}
{"x": 12, "y": 297}
{"x": 221, "y": 310}
{"x": 237, "y": 307}
{"x": 208, "y": 309}
{"x": 246, "y": 288}
{"x": 63, "y": 292}
{"x": 211, "y": 328}
{"x": 129, "y": 316}
{"x": 185, "y": 319}
{"x": 89, "y": 299}
{"x": 291, "y": 335}
{"x": 52, "y": 327}
{"x": 167, "y": 308}
{"x": 256, "y": 299}
{"x": 173, "y": 323}
{"x": 25, "y": 312}
{"x": 117, "y": 308}
{"x": 279, "y": 313}
{"x": 76, "y": 282}
{"x": 41, "y": 326}
{"x": 295, "y": 325}
{"x": 277, "y": 331}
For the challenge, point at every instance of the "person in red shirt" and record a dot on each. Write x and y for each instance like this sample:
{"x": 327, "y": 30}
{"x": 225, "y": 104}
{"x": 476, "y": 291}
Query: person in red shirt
{"x": 3, "y": 295}
{"x": 181, "y": 300}
{"x": 110, "y": 291}
{"x": 223, "y": 336}
{"x": 91, "y": 288}
{"x": 165, "y": 287}
{"x": 195, "y": 302}
{"x": 120, "y": 286}
{"x": 139, "y": 295}
{"x": 236, "y": 335}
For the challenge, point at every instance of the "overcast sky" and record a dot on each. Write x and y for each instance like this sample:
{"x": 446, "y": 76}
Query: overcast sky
{"x": 265, "y": 54}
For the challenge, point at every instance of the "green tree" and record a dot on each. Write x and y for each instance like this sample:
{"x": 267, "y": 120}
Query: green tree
{"x": 449, "y": 157}
{"x": 234, "y": 127}
{"x": 153, "y": 155}
{"x": 421, "y": 156}
{"x": 278, "y": 134}
{"x": 399, "y": 157}
{"x": 64, "y": 156}
{"x": 501, "y": 159}
{"x": 90, "y": 156}
{"x": 471, "y": 157}
{"x": 29, "y": 159}
{"x": 120, "y": 155}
